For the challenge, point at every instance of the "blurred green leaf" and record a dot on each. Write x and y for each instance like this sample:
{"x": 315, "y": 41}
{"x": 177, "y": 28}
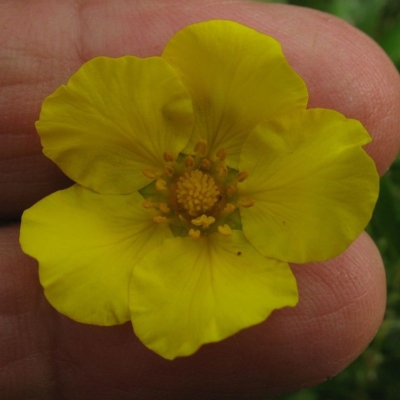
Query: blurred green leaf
{"x": 391, "y": 345}
{"x": 390, "y": 382}
{"x": 385, "y": 219}
{"x": 390, "y": 42}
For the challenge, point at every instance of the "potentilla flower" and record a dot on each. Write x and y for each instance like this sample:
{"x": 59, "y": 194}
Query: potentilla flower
{"x": 199, "y": 176}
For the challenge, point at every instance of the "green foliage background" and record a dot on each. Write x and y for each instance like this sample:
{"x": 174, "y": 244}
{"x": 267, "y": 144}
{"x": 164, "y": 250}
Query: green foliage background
{"x": 375, "y": 375}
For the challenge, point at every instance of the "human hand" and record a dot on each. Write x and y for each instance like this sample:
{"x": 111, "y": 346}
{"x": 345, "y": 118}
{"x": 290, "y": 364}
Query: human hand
{"x": 45, "y": 355}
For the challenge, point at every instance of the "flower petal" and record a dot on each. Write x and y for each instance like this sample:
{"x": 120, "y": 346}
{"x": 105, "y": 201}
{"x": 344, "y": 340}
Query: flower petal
{"x": 87, "y": 245}
{"x": 237, "y": 78}
{"x": 313, "y": 185}
{"x": 114, "y": 118}
{"x": 190, "y": 292}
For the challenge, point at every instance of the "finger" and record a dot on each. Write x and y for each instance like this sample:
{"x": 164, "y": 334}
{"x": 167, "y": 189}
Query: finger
{"x": 44, "y": 354}
{"x": 344, "y": 70}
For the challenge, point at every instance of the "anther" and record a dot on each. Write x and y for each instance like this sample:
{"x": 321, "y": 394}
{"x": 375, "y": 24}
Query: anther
{"x": 160, "y": 219}
{"x": 229, "y": 208}
{"x": 242, "y": 176}
{"x": 203, "y": 221}
{"x": 230, "y": 189}
{"x": 149, "y": 173}
{"x": 161, "y": 185}
{"x": 222, "y": 170}
{"x": 164, "y": 208}
{"x": 246, "y": 202}
{"x": 194, "y": 233}
{"x": 221, "y": 154}
{"x": 168, "y": 157}
{"x": 205, "y": 163}
{"x": 169, "y": 170}
{"x": 201, "y": 148}
{"x": 148, "y": 203}
{"x": 225, "y": 230}
{"x": 189, "y": 162}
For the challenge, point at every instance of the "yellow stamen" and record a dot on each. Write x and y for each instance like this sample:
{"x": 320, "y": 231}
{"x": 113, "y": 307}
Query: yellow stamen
{"x": 159, "y": 219}
{"x": 197, "y": 192}
{"x": 194, "y": 233}
{"x": 169, "y": 170}
{"x": 168, "y": 157}
{"x": 149, "y": 173}
{"x": 205, "y": 163}
{"x": 221, "y": 154}
{"x": 222, "y": 170}
{"x": 189, "y": 162}
{"x": 225, "y": 230}
{"x": 201, "y": 148}
{"x": 242, "y": 176}
{"x": 229, "y": 208}
{"x": 148, "y": 203}
{"x": 203, "y": 221}
{"x": 230, "y": 189}
{"x": 161, "y": 185}
{"x": 164, "y": 208}
{"x": 246, "y": 202}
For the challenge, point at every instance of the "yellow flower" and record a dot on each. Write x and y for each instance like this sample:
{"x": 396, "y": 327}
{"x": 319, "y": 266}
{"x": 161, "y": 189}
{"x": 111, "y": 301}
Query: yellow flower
{"x": 199, "y": 176}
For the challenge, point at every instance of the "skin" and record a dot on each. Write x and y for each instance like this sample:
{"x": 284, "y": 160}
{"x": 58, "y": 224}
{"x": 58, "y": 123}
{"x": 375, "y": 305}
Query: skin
{"x": 44, "y": 355}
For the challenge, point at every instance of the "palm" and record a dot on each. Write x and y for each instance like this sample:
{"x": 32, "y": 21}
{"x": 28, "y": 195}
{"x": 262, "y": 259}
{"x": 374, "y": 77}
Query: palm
{"x": 46, "y": 355}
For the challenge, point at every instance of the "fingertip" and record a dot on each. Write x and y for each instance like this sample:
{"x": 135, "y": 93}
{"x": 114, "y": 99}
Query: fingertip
{"x": 342, "y": 303}
{"x": 344, "y": 69}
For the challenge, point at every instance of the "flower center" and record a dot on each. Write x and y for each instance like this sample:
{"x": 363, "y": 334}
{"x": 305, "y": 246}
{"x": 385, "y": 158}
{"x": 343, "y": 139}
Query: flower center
{"x": 196, "y": 195}
{"x": 197, "y": 192}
